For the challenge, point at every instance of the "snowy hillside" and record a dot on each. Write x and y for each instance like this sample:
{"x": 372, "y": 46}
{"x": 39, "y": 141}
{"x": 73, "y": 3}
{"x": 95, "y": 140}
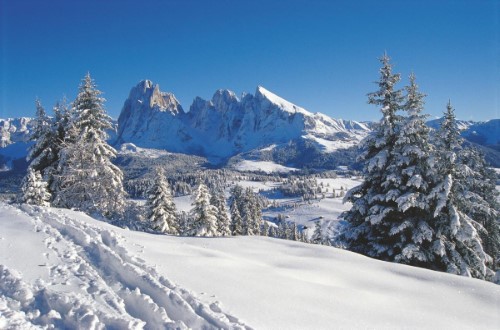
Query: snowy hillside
{"x": 64, "y": 268}
{"x": 226, "y": 125}
{"x": 487, "y": 133}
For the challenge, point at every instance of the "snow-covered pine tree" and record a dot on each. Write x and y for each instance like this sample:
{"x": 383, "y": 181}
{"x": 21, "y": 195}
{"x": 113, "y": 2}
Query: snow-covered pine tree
{"x": 480, "y": 200}
{"x": 184, "y": 223}
{"x": 43, "y": 153}
{"x": 410, "y": 229}
{"x": 204, "y": 214}
{"x": 235, "y": 204}
{"x": 273, "y": 232}
{"x": 59, "y": 124}
{"x": 374, "y": 208}
{"x": 34, "y": 189}
{"x": 223, "y": 220}
{"x": 236, "y": 220}
{"x": 294, "y": 232}
{"x": 457, "y": 247}
{"x": 246, "y": 217}
{"x": 87, "y": 180}
{"x": 317, "y": 236}
{"x": 253, "y": 216}
{"x": 161, "y": 211}
{"x": 265, "y": 229}
{"x": 282, "y": 227}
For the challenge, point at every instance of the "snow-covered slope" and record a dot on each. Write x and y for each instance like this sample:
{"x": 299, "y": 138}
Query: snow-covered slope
{"x": 486, "y": 134}
{"x": 64, "y": 268}
{"x": 226, "y": 125}
{"x": 461, "y": 124}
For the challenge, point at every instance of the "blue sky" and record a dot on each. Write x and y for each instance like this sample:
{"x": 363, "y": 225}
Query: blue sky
{"x": 321, "y": 55}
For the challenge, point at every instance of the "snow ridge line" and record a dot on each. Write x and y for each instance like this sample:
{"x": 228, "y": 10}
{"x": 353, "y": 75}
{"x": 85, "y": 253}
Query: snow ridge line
{"x": 126, "y": 286}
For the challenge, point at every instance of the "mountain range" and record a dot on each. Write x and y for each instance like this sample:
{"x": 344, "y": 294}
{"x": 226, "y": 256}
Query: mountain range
{"x": 227, "y": 125}
{"x": 262, "y": 125}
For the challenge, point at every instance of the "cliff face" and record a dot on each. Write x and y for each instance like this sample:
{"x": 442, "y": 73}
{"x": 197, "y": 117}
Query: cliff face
{"x": 225, "y": 125}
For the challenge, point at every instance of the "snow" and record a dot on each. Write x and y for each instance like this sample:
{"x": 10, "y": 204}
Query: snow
{"x": 262, "y": 166}
{"x": 64, "y": 268}
{"x": 256, "y": 121}
{"x": 132, "y": 149}
{"x": 331, "y": 145}
{"x": 282, "y": 103}
{"x": 325, "y": 210}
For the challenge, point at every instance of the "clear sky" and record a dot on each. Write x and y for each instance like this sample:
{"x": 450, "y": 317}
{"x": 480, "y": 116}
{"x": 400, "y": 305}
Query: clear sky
{"x": 321, "y": 55}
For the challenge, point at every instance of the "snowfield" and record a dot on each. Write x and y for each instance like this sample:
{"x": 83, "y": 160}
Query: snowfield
{"x": 262, "y": 166}
{"x": 63, "y": 268}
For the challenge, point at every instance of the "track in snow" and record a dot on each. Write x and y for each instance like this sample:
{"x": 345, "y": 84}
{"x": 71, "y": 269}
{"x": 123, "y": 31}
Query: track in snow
{"x": 116, "y": 289}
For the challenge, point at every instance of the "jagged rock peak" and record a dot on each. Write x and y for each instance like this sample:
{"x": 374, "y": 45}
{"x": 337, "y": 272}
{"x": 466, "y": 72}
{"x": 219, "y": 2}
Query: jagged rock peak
{"x": 224, "y": 95}
{"x": 267, "y": 98}
{"x": 147, "y": 92}
{"x": 223, "y": 99}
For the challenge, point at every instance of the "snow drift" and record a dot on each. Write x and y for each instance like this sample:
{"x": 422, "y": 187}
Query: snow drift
{"x": 63, "y": 268}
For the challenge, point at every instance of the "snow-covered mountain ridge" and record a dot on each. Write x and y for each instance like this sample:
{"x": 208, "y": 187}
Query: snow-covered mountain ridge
{"x": 226, "y": 125}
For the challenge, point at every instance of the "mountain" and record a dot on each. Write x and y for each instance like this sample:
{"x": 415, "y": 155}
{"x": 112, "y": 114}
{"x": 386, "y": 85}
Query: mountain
{"x": 485, "y": 133}
{"x": 225, "y": 129}
{"x": 227, "y": 125}
{"x": 461, "y": 124}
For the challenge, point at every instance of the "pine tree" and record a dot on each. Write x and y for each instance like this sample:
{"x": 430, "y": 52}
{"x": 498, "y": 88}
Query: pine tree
{"x": 252, "y": 213}
{"x": 273, "y": 232}
{"x": 265, "y": 229}
{"x": 87, "y": 180}
{"x": 374, "y": 209}
{"x": 43, "y": 153}
{"x": 294, "y": 232}
{"x": 223, "y": 220}
{"x": 204, "y": 214}
{"x": 235, "y": 205}
{"x": 317, "y": 237}
{"x": 410, "y": 229}
{"x": 282, "y": 227}
{"x": 246, "y": 217}
{"x": 161, "y": 212}
{"x": 34, "y": 189}
{"x": 236, "y": 220}
{"x": 457, "y": 247}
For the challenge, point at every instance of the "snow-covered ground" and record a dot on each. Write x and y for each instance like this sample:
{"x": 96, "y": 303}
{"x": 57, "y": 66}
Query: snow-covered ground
{"x": 132, "y": 149}
{"x": 262, "y": 166}
{"x": 64, "y": 268}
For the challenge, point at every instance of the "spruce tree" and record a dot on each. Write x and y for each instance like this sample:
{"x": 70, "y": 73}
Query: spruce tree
{"x": 410, "y": 230}
{"x": 204, "y": 214}
{"x": 43, "y": 154}
{"x": 87, "y": 180}
{"x": 479, "y": 198}
{"x": 235, "y": 207}
{"x": 223, "y": 220}
{"x": 161, "y": 212}
{"x": 265, "y": 229}
{"x": 34, "y": 189}
{"x": 457, "y": 247}
{"x": 374, "y": 208}
{"x": 317, "y": 237}
{"x": 236, "y": 220}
